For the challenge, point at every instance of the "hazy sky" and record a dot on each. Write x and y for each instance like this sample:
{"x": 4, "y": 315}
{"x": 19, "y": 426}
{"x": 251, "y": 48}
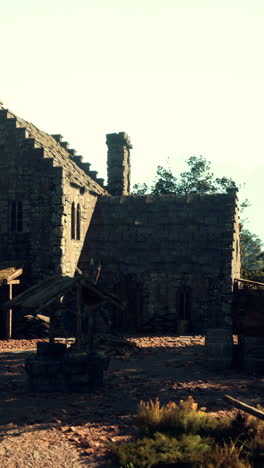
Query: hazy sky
{"x": 181, "y": 77}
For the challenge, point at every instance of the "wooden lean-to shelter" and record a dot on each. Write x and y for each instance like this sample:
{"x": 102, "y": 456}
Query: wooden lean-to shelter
{"x": 51, "y": 290}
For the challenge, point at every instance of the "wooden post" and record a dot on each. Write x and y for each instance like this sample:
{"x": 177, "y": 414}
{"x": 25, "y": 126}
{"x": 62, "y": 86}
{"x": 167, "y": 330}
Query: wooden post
{"x": 93, "y": 328}
{"x": 78, "y": 317}
{"x": 9, "y": 315}
{"x": 51, "y": 326}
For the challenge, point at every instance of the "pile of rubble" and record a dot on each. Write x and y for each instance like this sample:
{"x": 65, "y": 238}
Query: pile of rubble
{"x": 109, "y": 345}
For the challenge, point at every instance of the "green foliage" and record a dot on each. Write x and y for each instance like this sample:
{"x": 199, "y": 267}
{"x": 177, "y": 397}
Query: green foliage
{"x": 185, "y": 435}
{"x": 252, "y": 256}
{"x": 171, "y": 418}
{"x": 197, "y": 179}
{"x": 185, "y": 451}
{"x": 140, "y": 189}
{"x": 226, "y": 456}
{"x": 185, "y": 418}
{"x": 165, "y": 182}
{"x": 148, "y": 452}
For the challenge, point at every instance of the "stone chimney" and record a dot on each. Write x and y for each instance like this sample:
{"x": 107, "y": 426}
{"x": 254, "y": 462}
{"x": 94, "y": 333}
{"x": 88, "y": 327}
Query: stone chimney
{"x": 118, "y": 163}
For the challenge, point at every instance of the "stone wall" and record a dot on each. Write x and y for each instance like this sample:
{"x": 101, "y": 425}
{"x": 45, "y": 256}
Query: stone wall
{"x": 39, "y": 181}
{"x": 118, "y": 163}
{"x": 72, "y": 248}
{"x": 158, "y": 251}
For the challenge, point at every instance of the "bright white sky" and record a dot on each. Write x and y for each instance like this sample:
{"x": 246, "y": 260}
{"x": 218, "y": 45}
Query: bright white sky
{"x": 181, "y": 77}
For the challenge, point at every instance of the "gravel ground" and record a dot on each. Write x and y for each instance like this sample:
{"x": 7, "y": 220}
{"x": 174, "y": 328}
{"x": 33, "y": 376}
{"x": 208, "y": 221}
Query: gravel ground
{"x": 70, "y": 430}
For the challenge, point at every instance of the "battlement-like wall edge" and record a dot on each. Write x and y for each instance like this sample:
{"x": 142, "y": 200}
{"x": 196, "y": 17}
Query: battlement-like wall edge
{"x": 53, "y": 148}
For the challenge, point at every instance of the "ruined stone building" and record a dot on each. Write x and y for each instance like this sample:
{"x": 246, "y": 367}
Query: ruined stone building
{"x": 160, "y": 254}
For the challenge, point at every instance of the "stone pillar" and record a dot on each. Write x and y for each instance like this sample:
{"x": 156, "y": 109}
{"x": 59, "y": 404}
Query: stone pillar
{"x": 118, "y": 163}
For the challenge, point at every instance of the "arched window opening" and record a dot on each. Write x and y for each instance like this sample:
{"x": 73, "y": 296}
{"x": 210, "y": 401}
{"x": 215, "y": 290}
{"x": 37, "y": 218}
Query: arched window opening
{"x": 184, "y": 306}
{"x": 73, "y": 221}
{"x": 16, "y": 216}
{"x": 78, "y": 222}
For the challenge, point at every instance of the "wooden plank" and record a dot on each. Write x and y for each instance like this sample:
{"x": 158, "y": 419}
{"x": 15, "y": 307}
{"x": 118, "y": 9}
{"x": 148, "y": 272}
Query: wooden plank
{"x": 14, "y": 282}
{"x": 248, "y": 281}
{"x": 50, "y": 302}
{"x": 15, "y": 274}
{"x": 243, "y": 406}
{"x": 9, "y": 315}
{"x": 78, "y": 317}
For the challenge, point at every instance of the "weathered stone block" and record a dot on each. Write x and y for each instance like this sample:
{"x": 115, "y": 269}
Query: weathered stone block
{"x": 69, "y": 373}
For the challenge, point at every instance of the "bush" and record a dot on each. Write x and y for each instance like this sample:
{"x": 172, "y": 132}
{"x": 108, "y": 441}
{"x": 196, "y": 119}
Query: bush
{"x": 185, "y": 418}
{"x": 148, "y": 452}
{"x": 186, "y": 452}
{"x": 183, "y": 435}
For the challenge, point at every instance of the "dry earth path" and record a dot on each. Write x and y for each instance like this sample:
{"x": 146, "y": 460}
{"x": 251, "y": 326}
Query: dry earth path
{"x": 70, "y": 430}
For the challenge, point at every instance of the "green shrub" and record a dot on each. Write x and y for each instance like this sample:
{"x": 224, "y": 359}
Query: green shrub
{"x": 185, "y": 436}
{"x": 187, "y": 451}
{"x": 185, "y": 418}
{"x": 148, "y": 452}
{"x": 226, "y": 456}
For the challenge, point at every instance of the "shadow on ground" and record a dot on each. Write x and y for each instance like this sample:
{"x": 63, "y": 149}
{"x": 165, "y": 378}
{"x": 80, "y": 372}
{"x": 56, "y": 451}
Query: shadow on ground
{"x": 166, "y": 372}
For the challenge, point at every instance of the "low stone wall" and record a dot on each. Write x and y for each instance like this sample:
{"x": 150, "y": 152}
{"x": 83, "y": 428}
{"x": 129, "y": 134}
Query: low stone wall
{"x": 67, "y": 372}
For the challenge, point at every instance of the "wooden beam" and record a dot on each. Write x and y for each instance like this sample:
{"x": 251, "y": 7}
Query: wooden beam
{"x": 240, "y": 280}
{"x": 14, "y": 282}
{"x": 243, "y": 406}
{"x": 15, "y": 275}
{"x": 78, "y": 317}
{"x": 50, "y": 302}
{"x": 9, "y": 315}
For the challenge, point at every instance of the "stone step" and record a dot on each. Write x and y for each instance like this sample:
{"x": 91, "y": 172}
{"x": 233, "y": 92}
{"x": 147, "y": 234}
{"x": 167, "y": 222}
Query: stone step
{"x": 72, "y": 152}
{"x": 86, "y": 167}
{"x": 11, "y": 123}
{"x": 65, "y": 145}
{"x": 22, "y": 133}
{"x": 78, "y": 159}
{"x": 57, "y": 137}
{"x": 30, "y": 142}
{"x": 100, "y": 181}
{"x": 40, "y": 152}
{"x": 93, "y": 174}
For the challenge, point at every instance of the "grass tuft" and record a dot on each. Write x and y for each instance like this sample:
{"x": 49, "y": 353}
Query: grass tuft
{"x": 183, "y": 435}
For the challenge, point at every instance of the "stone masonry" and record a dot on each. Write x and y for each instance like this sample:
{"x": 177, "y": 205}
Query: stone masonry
{"x": 39, "y": 172}
{"x": 159, "y": 251}
{"x": 159, "y": 254}
{"x": 118, "y": 163}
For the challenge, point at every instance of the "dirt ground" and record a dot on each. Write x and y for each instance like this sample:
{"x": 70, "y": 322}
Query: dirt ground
{"x": 52, "y": 430}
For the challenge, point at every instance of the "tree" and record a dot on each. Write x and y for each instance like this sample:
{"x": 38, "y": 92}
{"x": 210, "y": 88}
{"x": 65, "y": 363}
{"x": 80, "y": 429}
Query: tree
{"x": 252, "y": 256}
{"x": 199, "y": 179}
{"x": 165, "y": 182}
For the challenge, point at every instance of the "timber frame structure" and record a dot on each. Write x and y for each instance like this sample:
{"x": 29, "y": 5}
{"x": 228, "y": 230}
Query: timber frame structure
{"x": 47, "y": 294}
